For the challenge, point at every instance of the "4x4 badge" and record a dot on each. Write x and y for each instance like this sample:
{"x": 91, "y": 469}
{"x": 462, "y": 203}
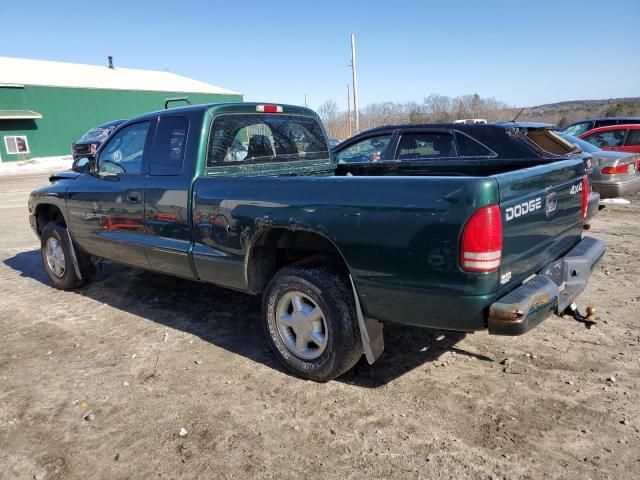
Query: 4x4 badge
{"x": 552, "y": 203}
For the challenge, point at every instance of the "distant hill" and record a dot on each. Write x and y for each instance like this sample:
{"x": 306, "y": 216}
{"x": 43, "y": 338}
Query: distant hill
{"x": 563, "y": 113}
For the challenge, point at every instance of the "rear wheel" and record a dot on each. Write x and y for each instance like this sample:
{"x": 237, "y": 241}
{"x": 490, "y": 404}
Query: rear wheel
{"x": 58, "y": 258}
{"x": 310, "y": 322}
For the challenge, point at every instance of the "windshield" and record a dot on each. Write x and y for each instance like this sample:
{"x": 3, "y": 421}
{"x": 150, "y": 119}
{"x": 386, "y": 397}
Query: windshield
{"x": 585, "y": 146}
{"x": 578, "y": 128}
{"x": 96, "y": 134}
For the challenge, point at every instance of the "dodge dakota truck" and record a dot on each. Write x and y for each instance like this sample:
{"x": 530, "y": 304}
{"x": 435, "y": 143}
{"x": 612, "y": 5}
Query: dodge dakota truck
{"x": 247, "y": 196}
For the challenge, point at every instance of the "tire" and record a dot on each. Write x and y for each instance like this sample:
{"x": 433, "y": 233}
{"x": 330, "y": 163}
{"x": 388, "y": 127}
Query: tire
{"x": 315, "y": 345}
{"x": 58, "y": 258}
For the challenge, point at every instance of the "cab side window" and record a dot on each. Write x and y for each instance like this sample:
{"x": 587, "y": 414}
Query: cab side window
{"x": 124, "y": 152}
{"x": 169, "y": 145}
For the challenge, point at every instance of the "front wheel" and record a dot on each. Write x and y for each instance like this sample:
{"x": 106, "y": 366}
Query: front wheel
{"x": 310, "y": 322}
{"x": 58, "y": 258}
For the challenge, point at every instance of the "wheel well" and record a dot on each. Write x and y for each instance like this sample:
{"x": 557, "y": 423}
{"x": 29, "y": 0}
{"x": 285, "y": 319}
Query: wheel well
{"x": 278, "y": 247}
{"x": 47, "y": 213}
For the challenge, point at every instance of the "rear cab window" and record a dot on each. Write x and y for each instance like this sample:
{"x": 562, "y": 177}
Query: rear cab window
{"x": 265, "y": 138}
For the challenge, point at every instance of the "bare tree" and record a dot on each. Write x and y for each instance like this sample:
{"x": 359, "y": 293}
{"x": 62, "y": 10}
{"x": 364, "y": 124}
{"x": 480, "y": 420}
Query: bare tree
{"x": 434, "y": 109}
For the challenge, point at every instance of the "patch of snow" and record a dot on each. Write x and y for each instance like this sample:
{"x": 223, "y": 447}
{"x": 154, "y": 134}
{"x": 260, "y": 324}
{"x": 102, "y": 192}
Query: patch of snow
{"x": 615, "y": 201}
{"x": 37, "y": 165}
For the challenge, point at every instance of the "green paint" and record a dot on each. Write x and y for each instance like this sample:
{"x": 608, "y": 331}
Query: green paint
{"x": 69, "y": 112}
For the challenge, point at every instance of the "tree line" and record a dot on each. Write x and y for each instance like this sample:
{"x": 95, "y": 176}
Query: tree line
{"x": 433, "y": 109}
{"x": 443, "y": 109}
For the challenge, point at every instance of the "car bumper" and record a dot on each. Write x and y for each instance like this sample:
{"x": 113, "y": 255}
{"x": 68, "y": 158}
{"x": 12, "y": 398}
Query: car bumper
{"x": 592, "y": 208}
{"x": 622, "y": 188}
{"x": 551, "y": 291}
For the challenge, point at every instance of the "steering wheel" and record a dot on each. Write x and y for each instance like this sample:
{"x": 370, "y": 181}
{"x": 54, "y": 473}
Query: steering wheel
{"x": 103, "y": 162}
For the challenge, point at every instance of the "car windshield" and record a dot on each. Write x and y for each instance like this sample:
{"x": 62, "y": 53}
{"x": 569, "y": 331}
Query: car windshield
{"x": 99, "y": 134}
{"x": 585, "y": 146}
{"x": 577, "y": 129}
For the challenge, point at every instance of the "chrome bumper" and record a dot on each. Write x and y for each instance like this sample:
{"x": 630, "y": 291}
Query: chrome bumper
{"x": 552, "y": 290}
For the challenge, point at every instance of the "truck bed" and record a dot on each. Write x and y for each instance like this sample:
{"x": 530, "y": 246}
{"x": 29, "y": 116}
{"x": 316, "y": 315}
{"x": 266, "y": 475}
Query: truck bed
{"x": 398, "y": 229}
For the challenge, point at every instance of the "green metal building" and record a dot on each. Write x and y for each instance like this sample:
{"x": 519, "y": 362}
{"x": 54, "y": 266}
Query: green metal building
{"x": 45, "y": 106}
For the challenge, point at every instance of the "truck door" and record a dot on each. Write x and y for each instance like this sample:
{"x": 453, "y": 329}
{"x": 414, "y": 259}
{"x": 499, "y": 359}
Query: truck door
{"x": 167, "y": 196}
{"x": 106, "y": 209}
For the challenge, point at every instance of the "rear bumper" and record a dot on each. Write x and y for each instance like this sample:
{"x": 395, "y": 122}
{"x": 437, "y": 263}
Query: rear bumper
{"x": 621, "y": 188}
{"x": 552, "y": 290}
{"x": 592, "y": 208}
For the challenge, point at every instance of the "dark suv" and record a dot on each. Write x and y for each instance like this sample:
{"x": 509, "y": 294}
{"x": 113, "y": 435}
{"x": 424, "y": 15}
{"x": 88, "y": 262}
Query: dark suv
{"x": 578, "y": 128}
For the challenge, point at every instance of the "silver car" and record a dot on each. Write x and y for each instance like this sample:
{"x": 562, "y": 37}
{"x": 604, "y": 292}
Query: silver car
{"x": 615, "y": 174}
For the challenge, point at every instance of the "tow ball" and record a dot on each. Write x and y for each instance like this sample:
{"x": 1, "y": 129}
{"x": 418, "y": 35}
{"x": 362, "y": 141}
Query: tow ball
{"x": 588, "y": 320}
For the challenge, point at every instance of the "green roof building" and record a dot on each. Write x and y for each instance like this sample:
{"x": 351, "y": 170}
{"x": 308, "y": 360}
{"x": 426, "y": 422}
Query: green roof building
{"x": 46, "y": 106}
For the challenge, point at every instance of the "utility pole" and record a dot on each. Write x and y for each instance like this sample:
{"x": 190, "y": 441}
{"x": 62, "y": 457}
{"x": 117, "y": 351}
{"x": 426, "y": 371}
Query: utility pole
{"x": 305, "y": 100}
{"x": 349, "y": 108}
{"x": 355, "y": 81}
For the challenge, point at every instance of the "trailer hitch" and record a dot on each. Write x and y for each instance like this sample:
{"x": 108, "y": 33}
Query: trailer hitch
{"x": 588, "y": 319}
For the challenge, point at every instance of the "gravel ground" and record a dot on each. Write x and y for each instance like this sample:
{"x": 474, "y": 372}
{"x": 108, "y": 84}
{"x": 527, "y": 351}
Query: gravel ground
{"x": 99, "y": 383}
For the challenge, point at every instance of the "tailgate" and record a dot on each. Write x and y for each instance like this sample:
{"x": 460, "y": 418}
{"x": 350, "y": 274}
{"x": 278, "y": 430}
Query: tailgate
{"x": 541, "y": 217}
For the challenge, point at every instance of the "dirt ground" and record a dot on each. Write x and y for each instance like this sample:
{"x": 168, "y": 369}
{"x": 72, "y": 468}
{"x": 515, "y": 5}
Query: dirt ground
{"x": 98, "y": 383}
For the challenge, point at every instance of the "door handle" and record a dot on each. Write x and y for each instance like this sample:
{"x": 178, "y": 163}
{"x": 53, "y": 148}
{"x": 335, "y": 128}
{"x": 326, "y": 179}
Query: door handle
{"x": 133, "y": 196}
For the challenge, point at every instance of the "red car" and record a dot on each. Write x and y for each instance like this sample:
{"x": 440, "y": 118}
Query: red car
{"x": 623, "y": 138}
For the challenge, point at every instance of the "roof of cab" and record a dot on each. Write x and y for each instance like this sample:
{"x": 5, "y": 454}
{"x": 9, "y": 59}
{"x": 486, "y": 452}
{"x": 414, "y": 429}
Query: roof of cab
{"x": 227, "y": 107}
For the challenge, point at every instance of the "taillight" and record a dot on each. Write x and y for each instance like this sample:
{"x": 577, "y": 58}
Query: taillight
{"x": 585, "y": 196}
{"x": 482, "y": 241}
{"x": 269, "y": 108}
{"x": 617, "y": 169}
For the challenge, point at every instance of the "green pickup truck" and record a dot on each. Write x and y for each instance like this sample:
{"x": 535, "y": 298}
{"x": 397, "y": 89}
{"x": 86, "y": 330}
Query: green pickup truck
{"x": 247, "y": 196}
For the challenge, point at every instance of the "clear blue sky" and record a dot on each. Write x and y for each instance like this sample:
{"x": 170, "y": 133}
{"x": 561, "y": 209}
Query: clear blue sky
{"x": 524, "y": 53}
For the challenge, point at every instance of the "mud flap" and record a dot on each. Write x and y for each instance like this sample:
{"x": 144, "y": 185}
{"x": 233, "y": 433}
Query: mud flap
{"x": 370, "y": 331}
{"x": 76, "y": 267}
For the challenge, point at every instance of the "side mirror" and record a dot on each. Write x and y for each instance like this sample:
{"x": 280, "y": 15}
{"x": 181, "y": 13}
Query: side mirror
{"x": 82, "y": 165}
{"x": 85, "y": 165}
